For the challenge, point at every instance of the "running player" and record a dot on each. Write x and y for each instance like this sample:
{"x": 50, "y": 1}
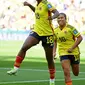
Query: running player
{"x": 67, "y": 40}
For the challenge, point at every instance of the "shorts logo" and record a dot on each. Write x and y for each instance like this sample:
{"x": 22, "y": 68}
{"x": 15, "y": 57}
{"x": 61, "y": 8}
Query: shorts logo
{"x": 49, "y": 6}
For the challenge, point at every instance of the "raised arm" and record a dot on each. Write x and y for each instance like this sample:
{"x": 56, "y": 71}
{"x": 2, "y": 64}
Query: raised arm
{"x": 28, "y": 4}
{"x": 55, "y": 14}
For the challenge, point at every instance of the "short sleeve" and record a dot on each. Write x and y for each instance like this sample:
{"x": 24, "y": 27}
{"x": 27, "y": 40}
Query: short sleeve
{"x": 50, "y": 6}
{"x": 75, "y": 32}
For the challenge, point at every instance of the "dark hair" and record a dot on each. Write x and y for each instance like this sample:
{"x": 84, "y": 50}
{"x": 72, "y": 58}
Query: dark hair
{"x": 64, "y": 15}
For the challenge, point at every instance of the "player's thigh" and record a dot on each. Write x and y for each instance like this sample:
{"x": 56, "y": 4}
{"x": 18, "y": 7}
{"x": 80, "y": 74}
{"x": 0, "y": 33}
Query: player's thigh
{"x": 75, "y": 69}
{"x": 47, "y": 43}
{"x": 30, "y": 41}
{"x": 48, "y": 52}
{"x": 75, "y": 65}
{"x": 65, "y": 62}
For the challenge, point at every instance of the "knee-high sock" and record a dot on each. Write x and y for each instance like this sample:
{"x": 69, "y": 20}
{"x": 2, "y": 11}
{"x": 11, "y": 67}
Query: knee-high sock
{"x": 18, "y": 61}
{"x": 52, "y": 73}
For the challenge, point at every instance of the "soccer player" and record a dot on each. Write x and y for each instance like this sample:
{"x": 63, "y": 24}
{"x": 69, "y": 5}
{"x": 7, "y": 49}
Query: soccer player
{"x": 43, "y": 31}
{"x": 67, "y": 39}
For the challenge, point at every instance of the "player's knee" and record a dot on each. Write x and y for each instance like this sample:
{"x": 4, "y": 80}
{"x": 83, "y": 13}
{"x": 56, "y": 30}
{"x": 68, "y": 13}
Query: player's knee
{"x": 76, "y": 73}
{"x": 24, "y": 49}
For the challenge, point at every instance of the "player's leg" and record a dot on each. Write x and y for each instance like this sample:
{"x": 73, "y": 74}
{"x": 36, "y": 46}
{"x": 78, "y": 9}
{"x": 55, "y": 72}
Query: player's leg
{"x": 75, "y": 69}
{"x": 65, "y": 62}
{"x": 31, "y": 40}
{"x": 75, "y": 64}
{"x": 50, "y": 61}
{"x": 48, "y": 47}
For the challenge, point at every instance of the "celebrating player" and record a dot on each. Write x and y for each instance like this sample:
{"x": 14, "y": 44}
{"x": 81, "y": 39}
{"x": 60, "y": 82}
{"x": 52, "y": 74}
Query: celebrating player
{"x": 42, "y": 31}
{"x": 67, "y": 40}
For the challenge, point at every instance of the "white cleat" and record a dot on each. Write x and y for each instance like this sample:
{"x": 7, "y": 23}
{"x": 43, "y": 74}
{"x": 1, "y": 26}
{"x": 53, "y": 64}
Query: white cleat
{"x": 52, "y": 82}
{"x": 12, "y": 72}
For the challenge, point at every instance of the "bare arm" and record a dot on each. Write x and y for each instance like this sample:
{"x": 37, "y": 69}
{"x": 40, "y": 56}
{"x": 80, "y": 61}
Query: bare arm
{"x": 55, "y": 14}
{"x": 27, "y": 4}
{"x": 77, "y": 42}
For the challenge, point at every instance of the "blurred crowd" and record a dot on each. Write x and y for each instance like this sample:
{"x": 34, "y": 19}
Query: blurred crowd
{"x": 15, "y": 16}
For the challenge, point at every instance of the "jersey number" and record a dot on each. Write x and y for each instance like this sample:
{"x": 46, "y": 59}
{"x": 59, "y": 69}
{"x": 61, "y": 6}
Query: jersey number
{"x": 62, "y": 39}
{"x": 50, "y": 39}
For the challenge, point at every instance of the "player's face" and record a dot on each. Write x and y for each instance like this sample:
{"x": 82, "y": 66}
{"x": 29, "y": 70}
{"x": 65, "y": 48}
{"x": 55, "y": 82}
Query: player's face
{"x": 61, "y": 20}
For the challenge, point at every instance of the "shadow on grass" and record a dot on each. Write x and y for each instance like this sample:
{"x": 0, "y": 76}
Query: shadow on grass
{"x": 29, "y": 62}
{"x": 32, "y": 62}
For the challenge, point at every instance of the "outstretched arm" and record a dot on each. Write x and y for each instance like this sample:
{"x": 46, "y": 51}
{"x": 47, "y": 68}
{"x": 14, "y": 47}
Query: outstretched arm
{"x": 27, "y": 4}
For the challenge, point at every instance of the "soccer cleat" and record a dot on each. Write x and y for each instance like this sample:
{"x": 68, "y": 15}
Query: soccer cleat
{"x": 52, "y": 82}
{"x": 12, "y": 72}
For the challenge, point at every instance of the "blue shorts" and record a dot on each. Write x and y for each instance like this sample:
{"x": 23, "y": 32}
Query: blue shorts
{"x": 46, "y": 40}
{"x": 74, "y": 59}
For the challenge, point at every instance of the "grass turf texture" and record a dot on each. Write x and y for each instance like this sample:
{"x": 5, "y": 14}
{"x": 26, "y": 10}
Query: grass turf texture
{"x": 34, "y": 69}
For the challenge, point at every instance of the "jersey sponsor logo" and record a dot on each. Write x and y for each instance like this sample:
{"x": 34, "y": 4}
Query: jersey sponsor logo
{"x": 75, "y": 31}
{"x": 49, "y": 6}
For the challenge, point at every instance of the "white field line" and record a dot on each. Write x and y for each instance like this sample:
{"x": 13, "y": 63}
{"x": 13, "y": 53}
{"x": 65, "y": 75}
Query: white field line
{"x": 32, "y": 70}
{"x": 28, "y": 69}
{"x": 36, "y": 81}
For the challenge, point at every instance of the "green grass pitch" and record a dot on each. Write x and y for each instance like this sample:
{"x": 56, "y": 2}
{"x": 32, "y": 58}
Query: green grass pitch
{"x": 34, "y": 69}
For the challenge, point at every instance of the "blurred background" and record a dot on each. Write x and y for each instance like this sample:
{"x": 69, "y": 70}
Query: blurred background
{"x": 17, "y": 19}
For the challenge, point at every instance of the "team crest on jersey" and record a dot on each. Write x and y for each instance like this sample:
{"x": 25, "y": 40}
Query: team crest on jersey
{"x": 57, "y": 33}
{"x": 40, "y": 8}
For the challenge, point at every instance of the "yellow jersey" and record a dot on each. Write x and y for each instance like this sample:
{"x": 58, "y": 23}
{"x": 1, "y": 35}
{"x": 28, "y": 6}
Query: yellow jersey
{"x": 66, "y": 39}
{"x": 43, "y": 27}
